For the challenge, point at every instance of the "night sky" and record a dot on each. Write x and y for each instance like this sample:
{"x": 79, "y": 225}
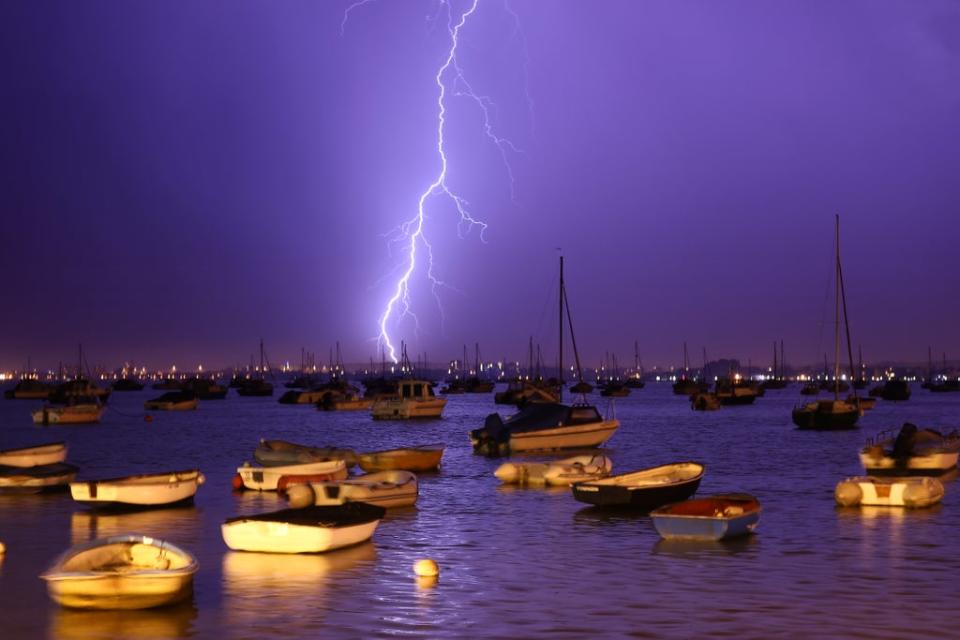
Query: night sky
{"x": 178, "y": 180}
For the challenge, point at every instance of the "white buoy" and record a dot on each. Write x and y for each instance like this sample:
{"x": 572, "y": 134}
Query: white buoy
{"x": 426, "y": 568}
{"x": 300, "y": 496}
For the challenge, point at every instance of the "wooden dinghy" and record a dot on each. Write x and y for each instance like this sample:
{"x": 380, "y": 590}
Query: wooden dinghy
{"x": 710, "y": 518}
{"x": 146, "y": 490}
{"x": 121, "y": 572}
{"x": 913, "y": 493}
{"x": 308, "y": 530}
{"x": 173, "y": 401}
{"x": 79, "y": 413}
{"x": 47, "y": 477}
{"x": 35, "y": 456}
{"x": 278, "y": 453}
{"x": 423, "y": 458}
{"x": 558, "y": 472}
{"x": 643, "y": 490}
{"x": 266, "y": 478}
{"x": 385, "y": 489}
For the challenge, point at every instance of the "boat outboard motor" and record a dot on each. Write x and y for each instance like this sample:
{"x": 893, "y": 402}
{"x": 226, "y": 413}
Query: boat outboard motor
{"x": 903, "y": 445}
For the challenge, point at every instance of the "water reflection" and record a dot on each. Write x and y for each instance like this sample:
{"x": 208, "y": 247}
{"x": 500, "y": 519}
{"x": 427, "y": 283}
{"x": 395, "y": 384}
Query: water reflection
{"x": 281, "y": 586}
{"x": 156, "y": 624}
{"x": 251, "y": 502}
{"x": 525, "y": 488}
{"x": 707, "y": 548}
{"x": 184, "y": 522}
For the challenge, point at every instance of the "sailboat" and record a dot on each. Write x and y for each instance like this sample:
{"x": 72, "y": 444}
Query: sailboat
{"x": 836, "y": 414}
{"x": 685, "y": 386}
{"x": 635, "y": 379}
{"x": 778, "y": 380}
{"x": 547, "y": 426}
{"x": 257, "y": 386}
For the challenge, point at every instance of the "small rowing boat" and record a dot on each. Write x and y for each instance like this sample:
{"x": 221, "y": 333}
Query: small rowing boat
{"x": 278, "y": 453}
{"x": 82, "y": 412}
{"x": 173, "y": 401}
{"x": 385, "y": 489}
{"x": 645, "y": 489}
{"x": 711, "y": 518}
{"x": 34, "y": 456}
{"x": 145, "y": 490}
{"x": 266, "y": 478}
{"x": 121, "y": 572}
{"x": 308, "y": 530}
{"x": 423, "y": 458}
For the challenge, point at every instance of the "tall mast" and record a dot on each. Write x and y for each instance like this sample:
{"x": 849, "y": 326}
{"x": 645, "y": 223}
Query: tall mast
{"x": 836, "y": 333}
{"x": 560, "y": 396}
{"x": 530, "y": 368}
{"x": 929, "y": 364}
{"x": 846, "y": 317}
{"x": 686, "y": 361}
{"x": 783, "y": 367}
{"x": 774, "y": 358}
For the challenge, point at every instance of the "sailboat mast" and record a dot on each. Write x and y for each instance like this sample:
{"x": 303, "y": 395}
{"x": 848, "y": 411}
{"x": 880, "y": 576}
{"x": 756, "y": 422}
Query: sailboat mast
{"x": 560, "y": 360}
{"x": 846, "y": 318}
{"x": 836, "y": 336}
{"x": 783, "y": 365}
{"x": 774, "y": 358}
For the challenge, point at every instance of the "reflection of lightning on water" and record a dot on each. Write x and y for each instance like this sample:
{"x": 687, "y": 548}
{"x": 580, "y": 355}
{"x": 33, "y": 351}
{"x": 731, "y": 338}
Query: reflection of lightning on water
{"x": 411, "y": 235}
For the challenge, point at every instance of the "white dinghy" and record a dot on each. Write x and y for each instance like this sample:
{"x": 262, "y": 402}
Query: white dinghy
{"x": 309, "y": 530}
{"x": 146, "y": 490}
{"x": 267, "y": 478}
{"x": 558, "y": 472}
{"x": 45, "y": 477}
{"x": 385, "y": 489}
{"x": 34, "y": 456}
{"x": 121, "y": 572}
{"x": 912, "y": 493}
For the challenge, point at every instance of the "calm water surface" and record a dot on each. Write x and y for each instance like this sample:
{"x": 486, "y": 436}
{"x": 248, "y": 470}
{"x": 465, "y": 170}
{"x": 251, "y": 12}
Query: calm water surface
{"x": 516, "y": 563}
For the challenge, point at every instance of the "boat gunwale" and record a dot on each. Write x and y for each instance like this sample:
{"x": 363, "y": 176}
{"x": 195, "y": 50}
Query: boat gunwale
{"x": 612, "y": 480}
{"x": 145, "y": 475}
{"x": 54, "y": 575}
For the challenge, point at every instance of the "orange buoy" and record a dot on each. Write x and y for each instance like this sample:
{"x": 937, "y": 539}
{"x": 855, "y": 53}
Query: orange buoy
{"x": 237, "y": 483}
{"x": 148, "y": 418}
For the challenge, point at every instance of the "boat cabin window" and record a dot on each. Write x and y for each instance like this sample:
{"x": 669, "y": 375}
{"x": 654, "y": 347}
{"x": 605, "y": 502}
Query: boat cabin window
{"x": 407, "y": 389}
{"x": 430, "y": 391}
{"x": 584, "y": 414}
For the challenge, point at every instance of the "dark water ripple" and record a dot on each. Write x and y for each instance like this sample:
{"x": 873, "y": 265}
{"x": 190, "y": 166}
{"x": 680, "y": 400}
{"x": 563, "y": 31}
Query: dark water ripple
{"x": 515, "y": 562}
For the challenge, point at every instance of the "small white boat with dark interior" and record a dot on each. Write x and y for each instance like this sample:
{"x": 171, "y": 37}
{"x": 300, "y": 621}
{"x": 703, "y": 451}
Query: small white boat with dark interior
{"x": 308, "y": 530}
{"x": 709, "y": 518}
{"x": 121, "y": 572}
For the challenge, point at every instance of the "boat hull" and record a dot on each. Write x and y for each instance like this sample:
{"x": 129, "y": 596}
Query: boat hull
{"x": 707, "y": 519}
{"x": 156, "y": 490}
{"x": 34, "y": 456}
{"x": 48, "y": 477}
{"x": 413, "y": 459}
{"x": 267, "y": 478}
{"x": 403, "y": 409}
{"x": 300, "y": 531}
{"x": 932, "y": 464}
{"x": 821, "y": 421}
{"x": 77, "y": 414}
{"x": 388, "y": 489}
{"x": 183, "y": 405}
{"x": 566, "y": 437}
{"x": 914, "y": 493}
{"x": 639, "y": 499}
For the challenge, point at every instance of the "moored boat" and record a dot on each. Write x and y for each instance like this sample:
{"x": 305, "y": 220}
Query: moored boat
{"x": 911, "y": 451}
{"x": 80, "y": 411}
{"x": 34, "y": 456}
{"x": 861, "y": 402}
{"x": 704, "y": 402}
{"x": 421, "y": 458}
{"x": 414, "y": 399}
{"x": 127, "y": 384}
{"x": 29, "y": 389}
{"x": 556, "y": 472}
{"x": 826, "y": 415}
{"x": 912, "y": 493}
{"x": 266, "y": 478}
{"x": 278, "y": 453}
{"x": 308, "y": 530}
{"x": 47, "y": 477}
{"x": 543, "y": 427}
{"x": 709, "y": 518}
{"x": 643, "y": 490}
{"x": 385, "y": 489}
{"x": 173, "y": 401}
{"x": 121, "y": 572}
{"x": 895, "y": 390}
{"x": 735, "y": 391}
{"x": 145, "y": 490}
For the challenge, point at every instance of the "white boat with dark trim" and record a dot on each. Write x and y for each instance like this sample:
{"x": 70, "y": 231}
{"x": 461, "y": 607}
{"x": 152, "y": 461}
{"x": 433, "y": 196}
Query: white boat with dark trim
{"x": 645, "y": 489}
{"x": 710, "y": 518}
{"x": 146, "y": 490}
{"x": 557, "y": 472}
{"x": 543, "y": 427}
{"x": 47, "y": 477}
{"x": 385, "y": 489}
{"x": 34, "y": 456}
{"x": 911, "y": 452}
{"x": 266, "y": 478}
{"x": 308, "y": 530}
{"x": 912, "y": 493}
{"x": 121, "y": 572}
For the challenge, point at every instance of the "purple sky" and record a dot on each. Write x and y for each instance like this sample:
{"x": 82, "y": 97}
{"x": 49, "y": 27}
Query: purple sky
{"x": 180, "y": 179}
